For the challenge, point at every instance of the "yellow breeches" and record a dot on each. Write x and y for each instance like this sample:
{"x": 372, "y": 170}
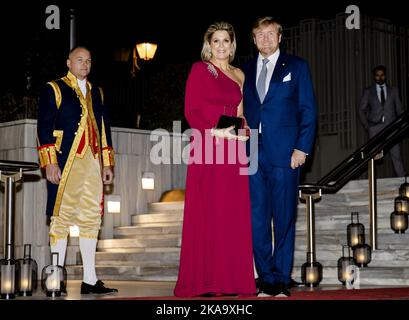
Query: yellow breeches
{"x": 81, "y": 203}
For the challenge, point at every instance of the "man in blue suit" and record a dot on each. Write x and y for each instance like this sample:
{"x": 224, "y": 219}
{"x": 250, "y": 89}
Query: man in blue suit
{"x": 279, "y": 102}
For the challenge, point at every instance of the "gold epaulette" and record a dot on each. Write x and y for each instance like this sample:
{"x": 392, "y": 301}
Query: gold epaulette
{"x": 108, "y": 156}
{"x": 47, "y": 154}
{"x": 57, "y": 93}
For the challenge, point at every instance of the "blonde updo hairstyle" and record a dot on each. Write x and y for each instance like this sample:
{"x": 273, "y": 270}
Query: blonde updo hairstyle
{"x": 218, "y": 26}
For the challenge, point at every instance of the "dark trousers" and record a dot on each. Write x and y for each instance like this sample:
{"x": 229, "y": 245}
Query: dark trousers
{"x": 394, "y": 152}
{"x": 274, "y": 197}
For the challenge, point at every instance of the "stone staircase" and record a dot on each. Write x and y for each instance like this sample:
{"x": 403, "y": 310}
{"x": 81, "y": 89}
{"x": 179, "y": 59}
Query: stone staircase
{"x": 150, "y": 248}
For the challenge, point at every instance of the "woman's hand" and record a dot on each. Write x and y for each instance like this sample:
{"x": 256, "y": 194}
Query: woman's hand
{"x": 227, "y": 133}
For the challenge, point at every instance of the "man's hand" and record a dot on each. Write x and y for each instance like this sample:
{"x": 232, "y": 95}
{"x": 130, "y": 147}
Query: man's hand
{"x": 107, "y": 175}
{"x": 53, "y": 173}
{"x": 297, "y": 158}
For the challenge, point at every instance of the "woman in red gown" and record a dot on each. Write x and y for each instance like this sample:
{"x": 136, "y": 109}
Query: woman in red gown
{"x": 216, "y": 254}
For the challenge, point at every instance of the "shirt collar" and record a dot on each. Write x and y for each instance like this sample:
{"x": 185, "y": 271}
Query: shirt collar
{"x": 273, "y": 58}
{"x": 75, "y": 81}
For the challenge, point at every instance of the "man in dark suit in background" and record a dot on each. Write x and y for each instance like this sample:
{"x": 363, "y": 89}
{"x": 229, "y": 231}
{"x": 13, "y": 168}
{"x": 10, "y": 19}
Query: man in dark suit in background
{"x": 381, "y": 105}
{"x": 279, "y": 102}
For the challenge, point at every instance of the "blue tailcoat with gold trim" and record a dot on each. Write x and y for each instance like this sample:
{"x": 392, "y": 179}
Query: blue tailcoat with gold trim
{"x": 60, "y": 127}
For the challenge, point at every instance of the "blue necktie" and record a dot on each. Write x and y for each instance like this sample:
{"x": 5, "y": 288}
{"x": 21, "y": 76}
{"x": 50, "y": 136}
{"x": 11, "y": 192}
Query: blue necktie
{"x": 261, "y": 82}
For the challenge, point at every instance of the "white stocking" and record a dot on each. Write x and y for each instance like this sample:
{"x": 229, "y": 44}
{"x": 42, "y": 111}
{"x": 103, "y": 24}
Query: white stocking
{"x": 88, "y": 246}
{"x": 60, "y": 247}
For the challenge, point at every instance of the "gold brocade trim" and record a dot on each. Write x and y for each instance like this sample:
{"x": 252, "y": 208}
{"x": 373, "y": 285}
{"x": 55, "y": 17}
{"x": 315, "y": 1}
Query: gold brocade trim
{"x": 47, "y": 155}
{"x": 108, "y": 157}
{"x": 89, "y": 236}
{"x": 58, "y": 134}
{"x": 57, "y": 93}
{"x": 94, "y": 123}
{"x": 86, "y": 134}
{"x": 54, "y": 239}
{"x": 104, "y": 141}
{"x": 71, "y": 156}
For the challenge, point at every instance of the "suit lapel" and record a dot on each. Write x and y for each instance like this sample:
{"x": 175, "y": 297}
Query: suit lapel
{"x": 375, "y": 95}
{"x": 253, "y": 78}
{"x": 278, "y": 74}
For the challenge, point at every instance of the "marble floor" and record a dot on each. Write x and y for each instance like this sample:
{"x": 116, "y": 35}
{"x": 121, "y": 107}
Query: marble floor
{"x": 149, "y": 289}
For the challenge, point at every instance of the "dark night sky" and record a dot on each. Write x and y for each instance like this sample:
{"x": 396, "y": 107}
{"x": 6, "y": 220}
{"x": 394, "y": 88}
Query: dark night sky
{"x": 178, "y": 29}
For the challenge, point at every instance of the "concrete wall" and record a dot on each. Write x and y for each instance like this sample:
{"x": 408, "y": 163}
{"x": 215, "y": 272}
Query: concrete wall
{"x": 133, "y": 148}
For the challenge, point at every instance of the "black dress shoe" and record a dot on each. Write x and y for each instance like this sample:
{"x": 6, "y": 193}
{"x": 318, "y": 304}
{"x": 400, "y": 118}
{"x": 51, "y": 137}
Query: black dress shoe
{"x": 295, "y": 284}
{"x": 97, "y": 288}
{"x": 285, "y": 290}
{"x": 268, "y": 289}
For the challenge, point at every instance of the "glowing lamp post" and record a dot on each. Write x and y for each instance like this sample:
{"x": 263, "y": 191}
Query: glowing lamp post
{"x": 146, "y": 50}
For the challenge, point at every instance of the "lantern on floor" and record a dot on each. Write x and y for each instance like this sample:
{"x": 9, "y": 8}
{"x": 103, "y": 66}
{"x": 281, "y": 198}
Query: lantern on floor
{"x": 311, "y": 271}
{"x": 53, "y": 277}
{"x": 362, "y": 255}
{"x": 355, "y": 231}
{"x": 28, "y": 273}
{"x": 9, "y": 274}
{"x": 344, "y": 262}
{"x": 404, "y": 188}
{"x": 402, "y": 204}
{"x": 399, "y": 221}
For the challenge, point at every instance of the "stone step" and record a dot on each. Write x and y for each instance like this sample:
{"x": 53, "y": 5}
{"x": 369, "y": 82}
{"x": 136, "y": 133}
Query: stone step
{"x": 163, "y": 256}
{"x": 165, "y": 206}
{"x": 339, "y": 225}
{"x": 379, "y": 276}
{"x": 158, "y": 228}
{"x": 169, "y": 216}
{"x": 382, "y": 276}
{"x": 361, "y": 185}
{"x": 140, "y": 241}
{"x": 385, "y": 237}
{"x": 383, "y": 209}
{"x": 127, "y": 273}
{"x": 150, "y": 249}
{"x": 357, "y": 197}
{"x": 327, "y": 256}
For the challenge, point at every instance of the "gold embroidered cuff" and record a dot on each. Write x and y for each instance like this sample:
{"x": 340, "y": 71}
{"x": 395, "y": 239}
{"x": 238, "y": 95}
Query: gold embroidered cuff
{"x": 108, "y": 156}
{"x": 47, "y": 154}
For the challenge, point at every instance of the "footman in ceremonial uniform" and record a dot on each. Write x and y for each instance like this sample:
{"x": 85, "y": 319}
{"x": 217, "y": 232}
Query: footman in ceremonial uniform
{"x": 75, "y": 148}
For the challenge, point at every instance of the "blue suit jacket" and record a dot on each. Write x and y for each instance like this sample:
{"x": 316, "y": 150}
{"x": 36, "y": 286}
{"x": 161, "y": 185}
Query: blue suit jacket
{"x": 288, "y": 113}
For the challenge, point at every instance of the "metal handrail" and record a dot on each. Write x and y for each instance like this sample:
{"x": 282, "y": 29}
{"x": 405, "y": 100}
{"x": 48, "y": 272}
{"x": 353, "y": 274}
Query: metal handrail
{"x": 349, "y": 168}
{"x": 15, "y": 166}
{"x": 352, "y": 165}
{"x": 10, "y": 173}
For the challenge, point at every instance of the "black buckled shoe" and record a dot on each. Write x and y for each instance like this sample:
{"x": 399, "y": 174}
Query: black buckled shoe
{"x": 98, "y": 288}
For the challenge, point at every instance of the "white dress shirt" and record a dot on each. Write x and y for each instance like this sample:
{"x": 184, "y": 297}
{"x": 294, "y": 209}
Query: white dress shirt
{"x": 83, "y": 86}
{"x": 270, "y": 69}
{"x": 378, "y": 91}
{"x": 270, "y": 66}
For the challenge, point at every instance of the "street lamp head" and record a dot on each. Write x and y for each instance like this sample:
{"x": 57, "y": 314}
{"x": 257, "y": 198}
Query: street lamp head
{"x": 146, "y": 50}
